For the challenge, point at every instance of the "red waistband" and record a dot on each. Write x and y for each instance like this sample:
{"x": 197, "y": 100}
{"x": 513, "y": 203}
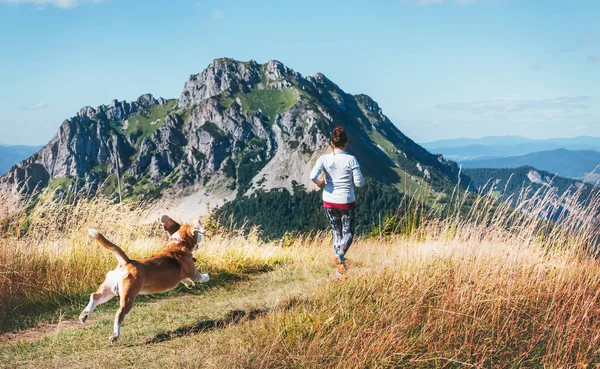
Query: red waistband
{"x": 331, "y": 205}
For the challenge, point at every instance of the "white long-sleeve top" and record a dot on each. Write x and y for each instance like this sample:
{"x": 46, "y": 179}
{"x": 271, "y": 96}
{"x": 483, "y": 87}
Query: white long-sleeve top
{"x": 342, "y": 173}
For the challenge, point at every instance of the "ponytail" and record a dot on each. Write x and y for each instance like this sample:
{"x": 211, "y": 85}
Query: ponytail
{"x": 339, "y": 138}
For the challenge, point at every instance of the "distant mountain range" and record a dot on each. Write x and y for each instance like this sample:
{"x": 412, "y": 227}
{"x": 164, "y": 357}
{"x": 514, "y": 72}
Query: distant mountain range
{"x": 461, "y": 149}
{"x": 11, "y": 155}
{"x": 576, "y": 164}
{"x": 575, "y": 157}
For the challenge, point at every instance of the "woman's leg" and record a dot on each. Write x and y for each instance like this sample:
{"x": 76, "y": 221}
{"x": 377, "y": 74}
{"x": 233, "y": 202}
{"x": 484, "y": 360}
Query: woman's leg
{"x": 334, "y": 217}
{"x": 348, "y": 220}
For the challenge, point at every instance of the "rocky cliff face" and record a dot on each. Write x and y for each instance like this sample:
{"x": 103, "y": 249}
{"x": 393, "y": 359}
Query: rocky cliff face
{"x": 237, "y": 127}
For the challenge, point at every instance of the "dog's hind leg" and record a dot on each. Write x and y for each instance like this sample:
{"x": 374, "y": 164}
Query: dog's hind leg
{"x": 128, "y": 296}
{"x": 104, "y": 293}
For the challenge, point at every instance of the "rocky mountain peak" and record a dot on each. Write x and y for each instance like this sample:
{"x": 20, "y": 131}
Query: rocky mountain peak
{"x": 368, "y": 103}
{"x": 230, "y": 76}
{"x": 321, "y": 80}
{"x": 221, "y": 75}
{"x": 279, "y": 76}
{"x": 146, "y": 101}
{"x": 118, "y": 110}
{"x": 86, "y": 111}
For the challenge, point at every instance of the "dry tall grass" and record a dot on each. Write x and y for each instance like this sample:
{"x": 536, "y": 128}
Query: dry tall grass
{"x": 491, "y": 285}
{"x": 55, "y": 263}
{"x": 446, "y": 301}
{"x": 498, "y": 287}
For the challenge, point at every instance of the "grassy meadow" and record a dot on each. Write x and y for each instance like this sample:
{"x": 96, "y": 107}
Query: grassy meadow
{"x": 495, "y": 286}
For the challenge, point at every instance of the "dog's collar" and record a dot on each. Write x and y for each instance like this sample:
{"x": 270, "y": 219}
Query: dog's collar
{"x": 177, "y": 238}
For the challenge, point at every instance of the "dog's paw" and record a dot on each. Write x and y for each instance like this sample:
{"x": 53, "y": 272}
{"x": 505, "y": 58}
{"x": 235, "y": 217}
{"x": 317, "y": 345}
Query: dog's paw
{"x": 113, "y": 338}
{"x": 83, "y": 316}
{"x": 189, "y": 284}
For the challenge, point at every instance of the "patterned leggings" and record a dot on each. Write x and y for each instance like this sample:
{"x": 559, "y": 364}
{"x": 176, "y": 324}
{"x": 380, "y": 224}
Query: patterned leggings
{"x": 343, "y": 225}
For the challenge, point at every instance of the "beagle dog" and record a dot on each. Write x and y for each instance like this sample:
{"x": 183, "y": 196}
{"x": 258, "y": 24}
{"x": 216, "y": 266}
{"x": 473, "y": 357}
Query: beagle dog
{"x": 162, "y": 272}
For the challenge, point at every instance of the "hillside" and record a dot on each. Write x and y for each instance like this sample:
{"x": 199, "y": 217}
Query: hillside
{"x": 11, "y": 155}
{"x": 509, "y": 182}
{"x": 566, "y": 163}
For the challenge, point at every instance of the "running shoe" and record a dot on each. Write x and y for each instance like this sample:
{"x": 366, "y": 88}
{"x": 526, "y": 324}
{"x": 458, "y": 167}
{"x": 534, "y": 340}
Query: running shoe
{"x": 341, "y": 263}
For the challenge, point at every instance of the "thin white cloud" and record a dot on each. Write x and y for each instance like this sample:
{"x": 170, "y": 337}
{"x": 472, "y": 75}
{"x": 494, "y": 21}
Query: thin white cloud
{"x": 217, "y": 14}
{"x": 38, "y": 106}
{"x": 62, "y": 4}
{"x": 520, "y": 105}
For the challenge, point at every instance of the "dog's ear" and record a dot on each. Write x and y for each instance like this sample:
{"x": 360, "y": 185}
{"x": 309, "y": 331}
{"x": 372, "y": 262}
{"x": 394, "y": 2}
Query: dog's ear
{"x": 169, "y": 225}
{"x": 198, "y": 227}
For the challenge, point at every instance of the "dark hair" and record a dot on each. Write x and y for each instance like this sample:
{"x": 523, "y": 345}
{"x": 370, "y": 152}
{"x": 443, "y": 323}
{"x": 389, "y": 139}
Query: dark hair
{"x": 339, "y": 137}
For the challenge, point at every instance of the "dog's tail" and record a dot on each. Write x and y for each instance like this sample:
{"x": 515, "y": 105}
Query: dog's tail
{"x": 116, "y": 250}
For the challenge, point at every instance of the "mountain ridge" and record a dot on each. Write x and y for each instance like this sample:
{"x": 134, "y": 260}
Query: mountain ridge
{"x": 576, "y": 164}
{"x": 510, "y": 140}
{"x": 237, "y": 128}
{"x": 463, "y": 149}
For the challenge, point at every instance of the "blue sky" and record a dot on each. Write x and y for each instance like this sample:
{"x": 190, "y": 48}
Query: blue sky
{"x": 438, "y": 68}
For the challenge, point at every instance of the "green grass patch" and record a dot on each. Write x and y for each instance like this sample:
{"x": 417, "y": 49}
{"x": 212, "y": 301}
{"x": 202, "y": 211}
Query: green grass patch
{"x": 110, "y": 187}
{"x": 226, "y": 102}
{"x": 270, "y": 102}
{"x": 100, "y": 169}
{"x": 217, "y": 133}
{"x": 146, "y": 123}
{"x": 59, "y": 184}
{"x": 383, "y": 142}
{"x": 366, "y": 112}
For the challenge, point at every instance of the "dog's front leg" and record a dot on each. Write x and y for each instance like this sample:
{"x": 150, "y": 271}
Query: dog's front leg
{"x": 188, "y": 282}
{"x": 201, "y": 277}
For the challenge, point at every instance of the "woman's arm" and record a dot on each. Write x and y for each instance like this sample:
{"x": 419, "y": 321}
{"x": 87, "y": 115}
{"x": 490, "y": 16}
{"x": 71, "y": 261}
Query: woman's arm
{"x": 316, "y": 172}
{"x": 357, "y": 176}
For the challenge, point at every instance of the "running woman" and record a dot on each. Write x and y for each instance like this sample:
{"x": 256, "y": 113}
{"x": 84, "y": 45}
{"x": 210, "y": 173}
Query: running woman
{"x": 342, "y": 173}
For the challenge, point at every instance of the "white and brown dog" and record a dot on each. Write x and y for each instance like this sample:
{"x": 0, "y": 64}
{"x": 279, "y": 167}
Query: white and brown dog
{"x": 159, "y": 273}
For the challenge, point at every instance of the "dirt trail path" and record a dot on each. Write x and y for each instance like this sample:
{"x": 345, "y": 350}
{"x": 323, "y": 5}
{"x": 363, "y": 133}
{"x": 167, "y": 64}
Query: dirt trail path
{"x": 40, "y": 331}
